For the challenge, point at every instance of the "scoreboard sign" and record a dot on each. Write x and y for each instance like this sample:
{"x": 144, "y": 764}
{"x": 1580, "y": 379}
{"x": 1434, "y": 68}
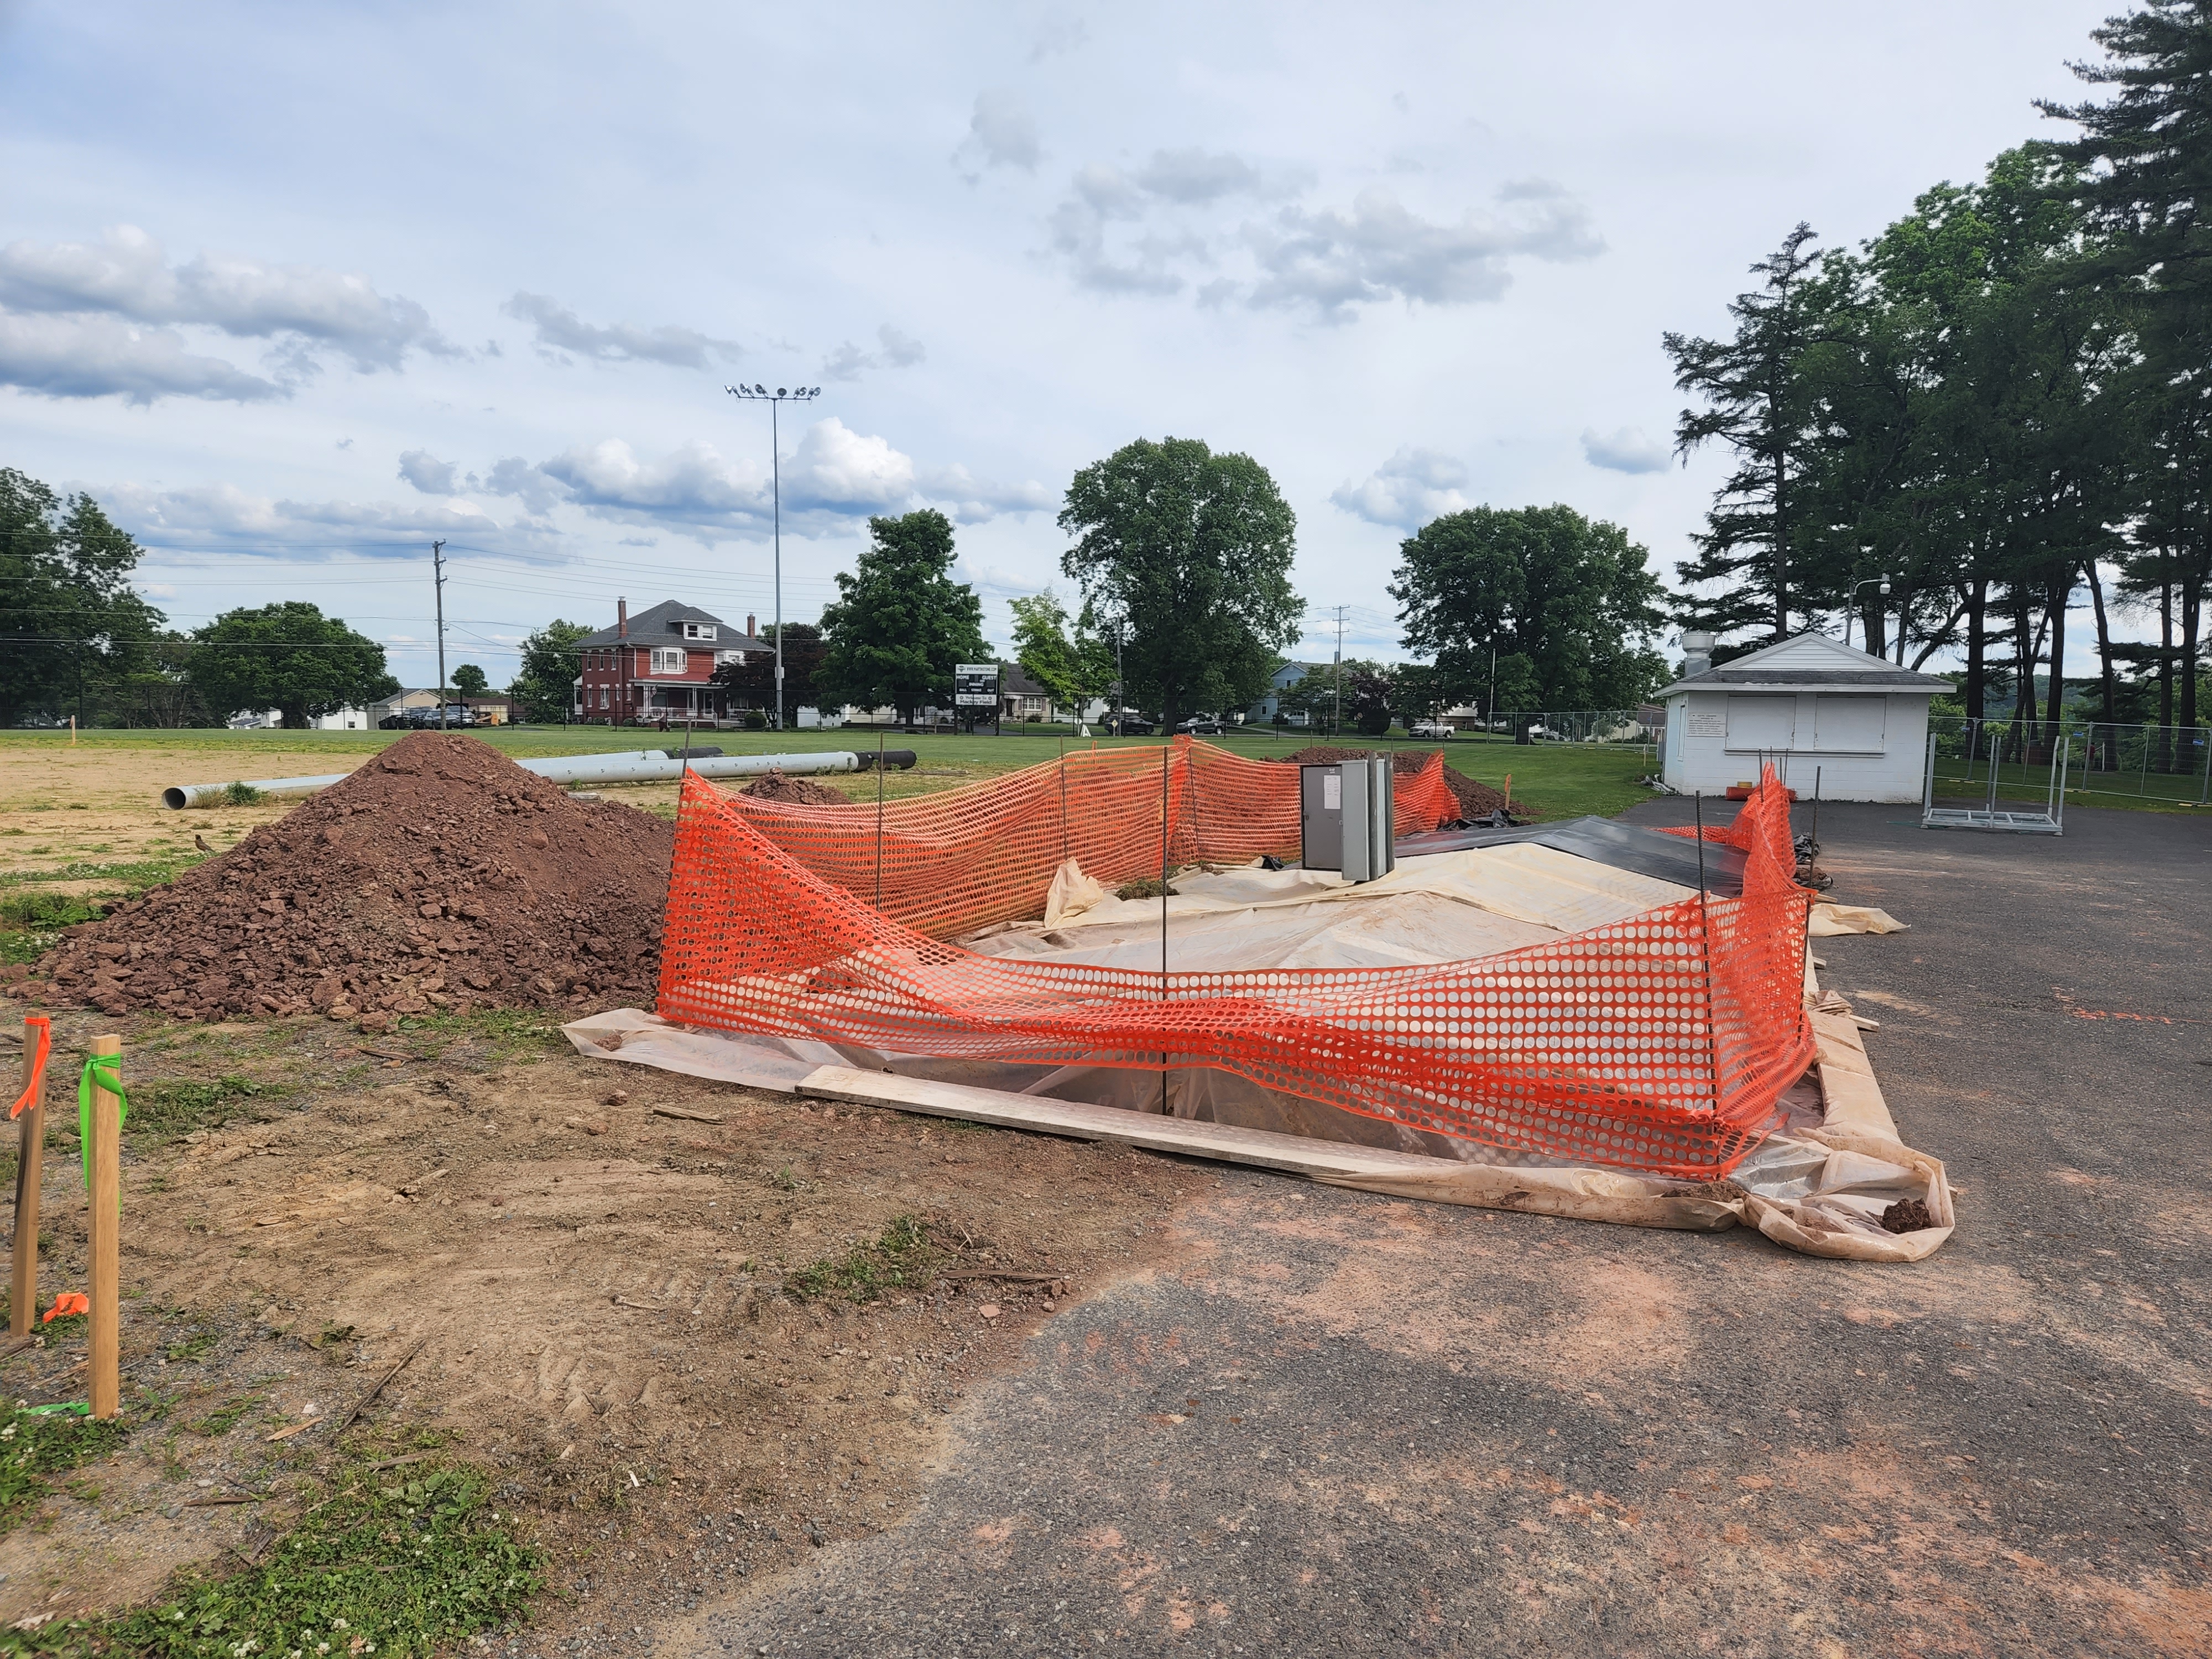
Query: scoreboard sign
{"x": 976, "y": 685}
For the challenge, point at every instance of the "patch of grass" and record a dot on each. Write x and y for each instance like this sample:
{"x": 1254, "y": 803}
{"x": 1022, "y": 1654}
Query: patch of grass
{"x": 31, "y": 923}
{"x": 242, "y": 794}
{"x": 191, "y": 1349}
{"x": 372, "y": 1571}
{"x": 221, "y": 1420}
{"x": 901, "y": 1259}
{"x": 35, "y": 1446}
{"x": 175, "y": 1106}
{"x": 508, "y": 1033}
{"x": 135, "y": 876}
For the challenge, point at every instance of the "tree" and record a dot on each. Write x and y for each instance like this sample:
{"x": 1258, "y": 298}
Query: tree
{"x": 1073, "y": 667}
{"x": 1563, "y": 603}
{"x": 1754, "y": 401}
{"x": 69, "y": 617}
{"x": 469, "y": 680}
{"x": 286, "y": 656}
{"x": 754, "y": 678}
{"x": 900, "y": 622}
{"x": 544, "y": 686}
{"x": 1189, "y": 554}
{"x": 2144, "y": 163}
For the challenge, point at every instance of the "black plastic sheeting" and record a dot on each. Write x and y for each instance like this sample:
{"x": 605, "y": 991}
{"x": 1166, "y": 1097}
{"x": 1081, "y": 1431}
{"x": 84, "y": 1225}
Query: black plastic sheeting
{"x": 1624, "y": 846}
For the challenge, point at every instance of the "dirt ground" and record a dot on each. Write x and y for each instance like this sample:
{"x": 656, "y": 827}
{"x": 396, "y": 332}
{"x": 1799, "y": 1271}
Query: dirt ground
{"x": 593, "y": 1295}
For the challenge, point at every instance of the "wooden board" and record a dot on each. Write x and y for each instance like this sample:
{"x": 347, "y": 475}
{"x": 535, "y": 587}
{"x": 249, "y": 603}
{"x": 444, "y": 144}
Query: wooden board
{"x": 1262, "y": 1147}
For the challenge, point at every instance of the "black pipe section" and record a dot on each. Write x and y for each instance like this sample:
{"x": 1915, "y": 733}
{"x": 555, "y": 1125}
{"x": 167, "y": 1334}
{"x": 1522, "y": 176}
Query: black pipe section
{"x": 900, "y": 759}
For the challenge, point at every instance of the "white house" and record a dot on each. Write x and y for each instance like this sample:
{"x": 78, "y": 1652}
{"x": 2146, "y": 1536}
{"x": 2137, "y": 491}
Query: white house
{"x": 1809, "y": 702}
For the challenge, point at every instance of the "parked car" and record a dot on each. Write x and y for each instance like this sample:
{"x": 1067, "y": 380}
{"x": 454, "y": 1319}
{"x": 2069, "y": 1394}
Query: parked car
{"x": 1433, "y": 729}
{"x": 1201, "y": 726}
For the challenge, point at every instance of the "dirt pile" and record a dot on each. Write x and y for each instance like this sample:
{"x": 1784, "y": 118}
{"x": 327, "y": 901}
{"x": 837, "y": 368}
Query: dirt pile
{"x": 803, "y": 791}
{"x": 440, "y": 874}
{"x": 1476, "y": 800}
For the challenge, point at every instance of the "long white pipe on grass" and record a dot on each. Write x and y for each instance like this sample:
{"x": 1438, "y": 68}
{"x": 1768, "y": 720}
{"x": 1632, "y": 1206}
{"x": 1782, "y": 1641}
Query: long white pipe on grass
{"x": 635, "y": 766}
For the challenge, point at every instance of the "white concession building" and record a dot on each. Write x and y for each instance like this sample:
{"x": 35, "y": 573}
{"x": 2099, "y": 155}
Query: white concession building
{"x": 1809, "y": 702}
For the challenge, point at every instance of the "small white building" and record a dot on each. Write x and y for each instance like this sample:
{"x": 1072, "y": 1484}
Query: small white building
{"x": 1806, "y": 704}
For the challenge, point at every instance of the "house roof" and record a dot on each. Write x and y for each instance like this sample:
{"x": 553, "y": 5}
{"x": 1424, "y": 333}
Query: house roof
{"x": 1016, "y": 683}
{"x": 663, "y": 625}
{"x": 1808, "y": 662}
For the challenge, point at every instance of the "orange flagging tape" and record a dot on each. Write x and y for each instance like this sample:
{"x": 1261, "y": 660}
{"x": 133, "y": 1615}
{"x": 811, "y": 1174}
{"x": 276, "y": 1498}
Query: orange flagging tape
{"x": 1660, "y": 1043}
{"x": 965, "y": 858}
{"x": 45, "y": 1030}
{"x": 68, "y": 1303}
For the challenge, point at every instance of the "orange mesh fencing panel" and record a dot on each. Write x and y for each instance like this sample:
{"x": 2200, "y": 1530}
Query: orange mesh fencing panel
{"x": 1660, "y": 1043}
{"x": 962, "y": 859}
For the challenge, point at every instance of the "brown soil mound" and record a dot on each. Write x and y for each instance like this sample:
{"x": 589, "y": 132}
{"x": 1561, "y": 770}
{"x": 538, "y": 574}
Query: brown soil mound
{"x": 803, "y": 791}
{"x": 1476, "y": 800}
{"x": 439, "y": 874}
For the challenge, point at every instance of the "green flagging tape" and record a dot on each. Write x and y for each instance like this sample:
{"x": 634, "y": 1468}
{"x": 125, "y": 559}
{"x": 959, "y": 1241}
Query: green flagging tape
{"x": 99, "y": 1069}
{"x": 75, "y": 1408}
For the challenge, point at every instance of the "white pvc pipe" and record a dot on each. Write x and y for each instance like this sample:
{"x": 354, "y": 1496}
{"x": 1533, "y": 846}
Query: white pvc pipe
{"x": 634, "y": 766}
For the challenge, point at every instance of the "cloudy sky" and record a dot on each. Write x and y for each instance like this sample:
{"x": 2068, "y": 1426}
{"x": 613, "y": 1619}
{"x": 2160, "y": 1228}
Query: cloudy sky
{"x": 294, "y": 289}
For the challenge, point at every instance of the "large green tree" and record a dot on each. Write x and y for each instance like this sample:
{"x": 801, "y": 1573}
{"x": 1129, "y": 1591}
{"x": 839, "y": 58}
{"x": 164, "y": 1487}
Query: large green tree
{"x": 754, "y": 678}
{"x": 1563, "y": 605}
{"x": 1754, "y": 404}
{"x": 543, "y": 687}
{"x": 286, "y": 656}
{"x": 900, "y": 622}
{"x": 1188, "y": 554}
{"x": 1069, "y": 659}
{"x": 2143, "y": 164}
{"x": 471, "y": 681}
{"x": 70, "y": 620}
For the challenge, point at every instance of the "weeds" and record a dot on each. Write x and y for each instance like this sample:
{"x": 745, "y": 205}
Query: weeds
{"x": 372, "y": 1572}
{"x": 172, "y": 1107}
{"x": 221, "y": 1420}
{"x": 900, "y": 1260}
{"x": 36, "y": 1445}
{"x": 191, "y": 1349}
{"x": 1145, "y": 887}
{"x": 242, "y": 794}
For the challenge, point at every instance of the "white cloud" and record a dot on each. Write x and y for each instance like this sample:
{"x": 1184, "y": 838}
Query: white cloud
{"x": 99, "y": 356}
{"x": 1625, "y": 451}
{"x": 515, "y": 476}
{"x": 427, "y": 472}
{"x": 971, "y": 500}
{"x": 1059, "y": 32}
{"x": 1001, "y": 133}
{"x": 849, "y": 362}
{"x": 223, "y": 518}
{"x": 1412, "y": 487}
{"x": 558, "y": 329}
{"x": 834, "y": 476}
{"x": 305, "y": 309}
{"x": 1381, "y": 250}
{"x": 1160, "y": 228}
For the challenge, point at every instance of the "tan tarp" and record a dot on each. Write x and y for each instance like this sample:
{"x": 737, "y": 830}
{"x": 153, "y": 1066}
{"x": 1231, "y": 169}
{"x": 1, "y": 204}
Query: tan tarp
{"x": 1818, "y": 1184}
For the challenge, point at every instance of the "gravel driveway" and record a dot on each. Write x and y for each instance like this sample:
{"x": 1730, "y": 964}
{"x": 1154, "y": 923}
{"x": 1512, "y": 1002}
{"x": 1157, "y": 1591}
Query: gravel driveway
{"x": 1350, "y": 1423}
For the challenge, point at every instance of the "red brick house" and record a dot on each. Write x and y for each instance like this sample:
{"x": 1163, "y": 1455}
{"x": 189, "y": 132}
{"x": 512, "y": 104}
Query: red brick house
{"x": 658, "y": 666}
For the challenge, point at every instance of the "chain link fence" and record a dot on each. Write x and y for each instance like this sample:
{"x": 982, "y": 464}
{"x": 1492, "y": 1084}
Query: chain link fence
{"x": 2102, "y": 758}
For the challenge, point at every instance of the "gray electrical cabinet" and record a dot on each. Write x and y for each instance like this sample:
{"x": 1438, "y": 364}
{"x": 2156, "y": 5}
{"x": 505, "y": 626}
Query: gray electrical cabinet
{"x": 1346, "y": 811}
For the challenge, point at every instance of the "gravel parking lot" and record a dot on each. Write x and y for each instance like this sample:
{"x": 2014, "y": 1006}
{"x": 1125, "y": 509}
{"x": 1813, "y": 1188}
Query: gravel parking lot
{"x": 1338, "y": 1422}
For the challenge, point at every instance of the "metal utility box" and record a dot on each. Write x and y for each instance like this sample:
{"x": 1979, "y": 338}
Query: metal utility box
{"x": 1346, "y": 815}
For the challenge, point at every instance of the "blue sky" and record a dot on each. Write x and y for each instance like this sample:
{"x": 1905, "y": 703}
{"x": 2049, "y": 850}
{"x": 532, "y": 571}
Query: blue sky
{"x": 294, "y": 289}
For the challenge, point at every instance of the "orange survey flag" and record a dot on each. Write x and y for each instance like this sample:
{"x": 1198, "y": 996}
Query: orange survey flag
{"x": 68, "y": 1303}
{"x": 46, "y": 1028}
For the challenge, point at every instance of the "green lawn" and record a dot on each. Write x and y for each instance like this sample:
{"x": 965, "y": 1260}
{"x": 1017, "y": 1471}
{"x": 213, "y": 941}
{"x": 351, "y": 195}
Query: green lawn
{"x": 1561, "y": 779}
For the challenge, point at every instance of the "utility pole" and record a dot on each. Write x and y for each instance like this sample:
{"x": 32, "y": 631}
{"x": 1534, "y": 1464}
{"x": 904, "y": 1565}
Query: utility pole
{"x": 1337, "y": 730}
{"x": 438, "y": 568}
{"x": 774, "y": 400}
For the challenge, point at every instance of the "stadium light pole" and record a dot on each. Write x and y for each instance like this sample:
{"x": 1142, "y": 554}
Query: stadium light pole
{"x": 775, "y": 400}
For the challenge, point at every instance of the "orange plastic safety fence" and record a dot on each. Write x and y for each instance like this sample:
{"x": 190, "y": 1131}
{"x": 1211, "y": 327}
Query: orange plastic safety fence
{"x": 1660, "y": 1043}
{"x": 962, "y": 859}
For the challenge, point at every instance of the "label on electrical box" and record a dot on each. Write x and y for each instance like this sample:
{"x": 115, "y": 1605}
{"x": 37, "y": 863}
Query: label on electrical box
{"x": 1332, "y": 792}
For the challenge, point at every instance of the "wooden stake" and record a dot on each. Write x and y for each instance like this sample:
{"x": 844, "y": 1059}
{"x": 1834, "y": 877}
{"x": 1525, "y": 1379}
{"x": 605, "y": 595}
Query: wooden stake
{"x": 23, "y": 1285}
{"x": 106, "y": 1223}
